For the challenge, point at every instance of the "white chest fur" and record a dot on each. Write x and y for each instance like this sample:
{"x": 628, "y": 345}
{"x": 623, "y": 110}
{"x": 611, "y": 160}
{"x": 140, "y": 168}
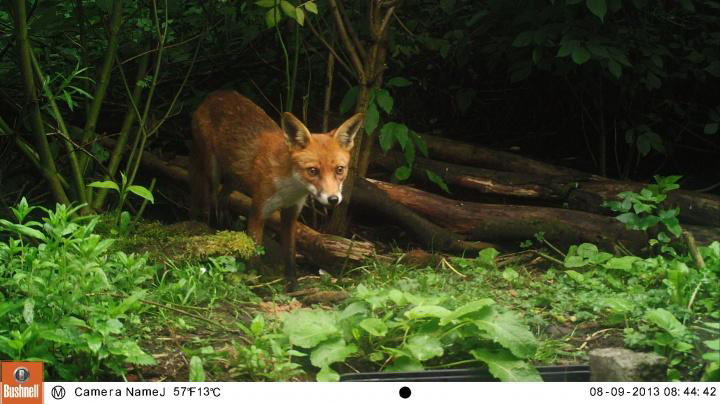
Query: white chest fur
{"x": 290, "y": 191}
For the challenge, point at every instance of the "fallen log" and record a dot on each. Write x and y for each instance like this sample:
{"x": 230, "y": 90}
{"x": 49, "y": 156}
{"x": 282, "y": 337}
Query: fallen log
{"x": 517, "y": 223}
{"x": 325, "y": 250}
{"x": 581, "y": 191}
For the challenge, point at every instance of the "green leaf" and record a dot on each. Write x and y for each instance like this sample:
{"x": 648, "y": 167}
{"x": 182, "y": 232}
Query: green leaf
{"x": 105, "y": 184}
{"x": 311, "y": 7}
{"x": 326, "y": 374}
{"x": 399, "y": 82}
{"x": 300, "y": 16}
{"x": 28, "y": 311}
{"x": 308, "y": 328}
{"x": 372, "y": 117}
{"x": 597, "y": 7}
{"x": 272, "y": 17}
{"x": 266, "y": 3}
{"x": 623, "y": 263}
{"x": 94, "y": 342}
{"x": 374, "y": 326}
{"x": 507, "y": 330}
{"x": 387, "y": 136}
{"x": 402, "y": 173}
{"x": 711, "y": 128}
{"x": 420, "y": 143}
{"x": 615, "y": 68}
{"x": 580, "y": 55}
{"x": 427, "y": 311}
{"x": 523, "y": 39}
{"x": 468, "y": 308}
{"x": 574, "y": 275}
{"x": 384, "y": 100}
{"x": 353, "y": 309}
{"x": 128, "y": 302}
{"x": 349, "y": 99}
{"x": 142, "y": 192}
{"x": 257, "y": 325}
{"x": 506, "y": 367}
{"x": 405, "y": 364}
{"x": 197, "y": 373}
{"x": 437, "y": 180}
{"x": 424, "y": 347}
{"x": 667, "y": 321}
{"x": 487, "y": 256}
{"x": 287, "y": 8}
{"x": 330, "y": 352}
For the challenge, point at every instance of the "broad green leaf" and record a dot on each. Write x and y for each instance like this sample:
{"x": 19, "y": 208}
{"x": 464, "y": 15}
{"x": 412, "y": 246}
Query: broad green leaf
{"x": 398, "y": 82}
{"x": 523, "y": 39}
{"x": 372, "y": 117}
{"x": 424, "y": 347}
{"x": 330, "y": 352}
{"x": 580, "y": 55}
{"x": 576, "y": 276}
{"x": 257, "y": 326}
{"x": 197, "y": 373}
{"x": 300, "y": 16}
{"x": 105, "y": 184}
{"x": 506, "y": 367}
{"x": 349, "y": 99}
{"x": 711, "y": 128}
{"x": 387, "y": 136}
{"x": 374, "y": 326}
{"x": 402, "y": 173}
{"x": 384, "y": 100}
{"x": 142, "y": 192}
{"x": 433, "y": 177}
{"x": 587, "y": 250}
{"x": 468, "y": 308}
{"x": 135, "y": 355}
{"x": 308, "y": 328}
{"x": 353, "y": 309}
{"x": 94, "y": 342}
{"x": 507, "y": 330}
{"x": 618, "y": 304}
{"x": 427, "y": 311}
{"x": 29, "y": 311}
{"x": 574, "y": 261}
{"x": 487, "y": 256}
{"x": 326, "y": 374}
{"x": 311, "y": 7}
{"x": 623, "y": 263}
{"x": 597, "y": 7}
{"x": 405, "y": 364}
{"x": 667, "y": 321}
{"x": 128, "y": 302}
{"x": 266, "y": 3}
{"x": 420, "y": 143}
{"x": 272, "y": 17}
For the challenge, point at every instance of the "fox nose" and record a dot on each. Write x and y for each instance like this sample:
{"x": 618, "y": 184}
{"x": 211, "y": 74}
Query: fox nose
{"x": 333, "y": 200}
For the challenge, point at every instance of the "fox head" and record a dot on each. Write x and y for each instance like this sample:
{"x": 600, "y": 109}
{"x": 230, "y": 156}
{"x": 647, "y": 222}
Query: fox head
{"x": 320, "y": 160}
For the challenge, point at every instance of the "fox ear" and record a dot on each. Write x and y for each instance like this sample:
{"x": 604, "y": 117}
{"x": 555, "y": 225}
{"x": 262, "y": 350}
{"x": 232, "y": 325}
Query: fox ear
{"x": 345, "y": 133}
{"x": 297, "y": 135}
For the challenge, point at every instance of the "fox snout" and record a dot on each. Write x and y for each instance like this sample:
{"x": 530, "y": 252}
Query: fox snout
{"x": 328, "y": 199}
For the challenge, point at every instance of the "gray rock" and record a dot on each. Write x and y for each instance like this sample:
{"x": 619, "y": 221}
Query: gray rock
{"x": 624, "y": 365}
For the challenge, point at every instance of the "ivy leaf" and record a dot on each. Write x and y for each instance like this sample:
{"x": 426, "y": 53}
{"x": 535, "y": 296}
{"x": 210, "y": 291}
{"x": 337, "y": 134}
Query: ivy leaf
{"x": 326, "y": 374}
{"x": 597, "y": 7}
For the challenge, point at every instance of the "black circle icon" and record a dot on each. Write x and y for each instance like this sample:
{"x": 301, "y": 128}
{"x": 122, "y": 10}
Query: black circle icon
{"x": 405, "y": 392}
{"x": 21, "y": 375}
{"x": 58, "y": 392}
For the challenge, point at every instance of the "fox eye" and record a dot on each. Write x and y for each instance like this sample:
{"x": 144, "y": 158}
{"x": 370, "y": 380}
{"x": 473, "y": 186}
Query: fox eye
{"x": 339, "y": 170}
{"x": 313, "y": 171}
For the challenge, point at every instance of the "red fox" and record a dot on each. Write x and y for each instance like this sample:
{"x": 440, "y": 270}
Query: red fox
{"x": 237, "y": 144}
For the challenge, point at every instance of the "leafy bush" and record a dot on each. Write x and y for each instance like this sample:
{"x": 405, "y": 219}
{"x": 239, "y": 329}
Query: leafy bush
{"x": 395, "y": 330}
{"x": 65, "y": 300}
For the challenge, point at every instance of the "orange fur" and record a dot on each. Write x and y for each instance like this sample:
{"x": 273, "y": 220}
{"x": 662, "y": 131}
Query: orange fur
{"x": 236, "y": 144}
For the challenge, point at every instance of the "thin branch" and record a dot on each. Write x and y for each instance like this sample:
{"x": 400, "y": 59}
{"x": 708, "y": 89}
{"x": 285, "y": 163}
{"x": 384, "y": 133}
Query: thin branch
{"x": 347, "y": 42}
